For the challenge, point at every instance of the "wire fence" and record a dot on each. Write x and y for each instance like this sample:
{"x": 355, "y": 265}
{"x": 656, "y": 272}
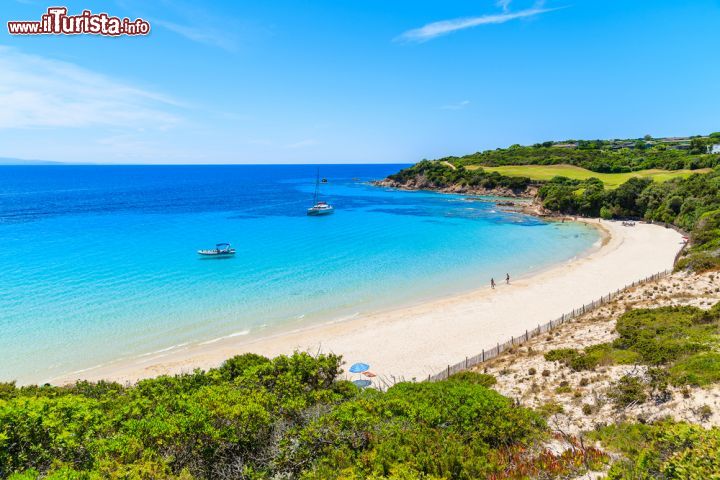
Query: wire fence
{"x": 499, "y": 348}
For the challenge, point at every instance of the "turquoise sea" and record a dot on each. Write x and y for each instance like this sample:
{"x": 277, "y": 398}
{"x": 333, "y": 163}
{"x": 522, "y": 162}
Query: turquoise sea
{"x": 99, "y": 262}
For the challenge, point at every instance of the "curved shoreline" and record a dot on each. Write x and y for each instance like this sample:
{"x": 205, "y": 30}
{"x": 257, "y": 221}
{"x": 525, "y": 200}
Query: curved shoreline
{"x": 418, "y": 340}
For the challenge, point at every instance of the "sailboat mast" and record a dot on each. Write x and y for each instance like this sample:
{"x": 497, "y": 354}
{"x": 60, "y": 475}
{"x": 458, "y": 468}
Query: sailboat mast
{"x": 317, "y": 187}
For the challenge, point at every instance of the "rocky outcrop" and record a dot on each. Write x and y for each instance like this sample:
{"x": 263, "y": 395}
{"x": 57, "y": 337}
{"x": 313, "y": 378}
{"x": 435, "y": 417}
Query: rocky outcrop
{"x": 420, "y": 183}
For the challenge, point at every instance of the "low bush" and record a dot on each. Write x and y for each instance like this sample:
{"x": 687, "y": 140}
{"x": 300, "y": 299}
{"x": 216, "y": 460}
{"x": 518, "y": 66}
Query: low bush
{"x": 664, "y": 334}
{"x": 591, "y": 357}
{"x": 628, "y": 390}
{"x": 699, "y": 370}
{"x": 475, "y": 378}
{"x": 562, "y": 355}
{"x": 664, "y": 450}
{"x": 289, "y": 417}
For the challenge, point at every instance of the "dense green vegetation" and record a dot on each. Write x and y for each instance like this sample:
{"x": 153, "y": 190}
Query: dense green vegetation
{"x": 692, "y": 204}
{"x": 433, "y": 174}
{"x": 681, "y": 343}
{"x": 664, "y": 450}
{"x": 601, "y": 155}
{"x": 680, "y": 201}
{"x": 290, "y": 417}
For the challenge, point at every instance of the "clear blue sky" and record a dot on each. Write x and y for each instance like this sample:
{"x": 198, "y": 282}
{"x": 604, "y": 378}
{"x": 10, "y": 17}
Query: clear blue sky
{"x": 355, "y": 81}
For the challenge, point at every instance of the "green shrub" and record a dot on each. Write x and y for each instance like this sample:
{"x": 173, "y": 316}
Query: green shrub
{"x": 592, "y": 357}
{"x": 628, "y": 390}
{"x": 700, "y": 370}
{"x": 562, "y": 355}
{"x": 664, "y": 450}
{"x": 664, "y": 334}
{"x": 443, "y": 429}
{"x": 255, "y": 418}
{"x": 699, "y": 261}
{"x": 238, "y": 365}
{"x": 475, "y": 378}
{"x": 551, "y": 408}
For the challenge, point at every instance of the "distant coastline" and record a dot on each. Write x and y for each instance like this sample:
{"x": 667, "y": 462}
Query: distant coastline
{"x": 4, "y": 161}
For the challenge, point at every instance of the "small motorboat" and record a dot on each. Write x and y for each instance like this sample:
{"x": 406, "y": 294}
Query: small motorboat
{"x": 220, "y": 250}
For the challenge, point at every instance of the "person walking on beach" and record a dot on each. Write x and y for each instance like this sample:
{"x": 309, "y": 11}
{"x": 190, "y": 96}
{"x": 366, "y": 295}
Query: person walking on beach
{"x": 492, "y": 283}
{"x": 507, "y": 278}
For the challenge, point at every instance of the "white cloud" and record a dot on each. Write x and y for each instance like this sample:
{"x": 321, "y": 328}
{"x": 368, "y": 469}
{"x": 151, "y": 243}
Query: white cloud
{"x": 456, "y": 106}
{"x": 436, "y": 29}
{"x": 204, "y": 35}
{"x": 39, "y": 92}
{"x": 504, "y": 4}
{"x": 195, "y": 21}
{"x": 310, "y": 142}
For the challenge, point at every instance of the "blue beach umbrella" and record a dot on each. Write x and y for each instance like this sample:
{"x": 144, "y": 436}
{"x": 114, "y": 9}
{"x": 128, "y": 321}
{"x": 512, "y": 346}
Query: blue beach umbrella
{"x": 362, "y": 383}
{"x": 359, "y": 368}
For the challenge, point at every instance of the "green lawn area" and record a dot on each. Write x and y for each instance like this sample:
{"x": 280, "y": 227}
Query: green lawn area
{"x": 611, "y": 180}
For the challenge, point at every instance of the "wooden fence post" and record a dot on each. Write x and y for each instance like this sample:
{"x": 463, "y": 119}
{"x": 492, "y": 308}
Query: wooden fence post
{"x": 552, "y": 324}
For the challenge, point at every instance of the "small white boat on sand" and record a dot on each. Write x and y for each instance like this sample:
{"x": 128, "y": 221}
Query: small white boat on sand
{"x": 220, "y": 250}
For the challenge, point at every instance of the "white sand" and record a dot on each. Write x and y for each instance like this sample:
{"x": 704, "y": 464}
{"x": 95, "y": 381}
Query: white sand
{"x": 412, "y": 342}
{"x": 687, "y": 403}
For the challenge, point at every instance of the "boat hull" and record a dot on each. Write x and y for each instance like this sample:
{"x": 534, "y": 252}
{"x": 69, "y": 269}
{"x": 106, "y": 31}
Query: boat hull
{"x": 320, "y": 213}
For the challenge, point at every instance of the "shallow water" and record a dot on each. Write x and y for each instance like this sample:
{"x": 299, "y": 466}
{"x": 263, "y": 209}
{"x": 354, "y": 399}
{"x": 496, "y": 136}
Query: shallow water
{"x": 99, "y": 263}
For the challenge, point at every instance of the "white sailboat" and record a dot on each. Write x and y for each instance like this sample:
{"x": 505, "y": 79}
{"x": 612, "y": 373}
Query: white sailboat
{"x": 319, "y": 208}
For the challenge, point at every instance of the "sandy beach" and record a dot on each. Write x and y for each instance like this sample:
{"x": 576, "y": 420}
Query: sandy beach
{"x": 418, "y": 340}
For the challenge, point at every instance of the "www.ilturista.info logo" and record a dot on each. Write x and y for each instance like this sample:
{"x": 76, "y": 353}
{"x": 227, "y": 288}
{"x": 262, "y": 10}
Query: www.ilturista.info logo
{"x": 57, "y": 22}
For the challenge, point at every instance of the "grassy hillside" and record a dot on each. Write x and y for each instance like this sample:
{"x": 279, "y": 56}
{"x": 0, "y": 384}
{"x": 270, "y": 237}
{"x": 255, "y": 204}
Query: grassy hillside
{"x": 611, "y": 180}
